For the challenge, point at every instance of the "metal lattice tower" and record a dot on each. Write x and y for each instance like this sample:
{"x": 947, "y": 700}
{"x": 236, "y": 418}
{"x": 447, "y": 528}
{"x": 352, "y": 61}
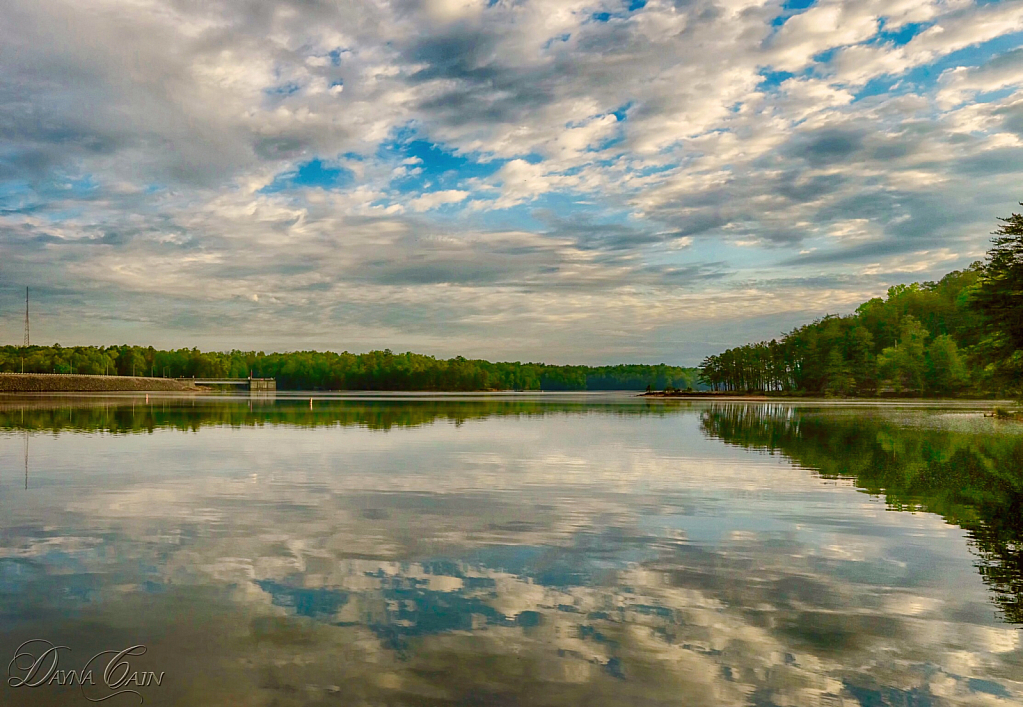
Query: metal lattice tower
{"x": 26, "y": 318}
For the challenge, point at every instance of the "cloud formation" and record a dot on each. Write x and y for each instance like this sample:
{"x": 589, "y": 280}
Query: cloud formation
{"x": 505, "y": 179}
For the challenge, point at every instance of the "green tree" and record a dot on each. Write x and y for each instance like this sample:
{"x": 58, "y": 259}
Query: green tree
{"x": 904, "y": 364}
{"x": 862, "y": 360}
{"x": 946, "y": 369}
{"x": 998, "y": 298}
{"x": 840, "y": 380}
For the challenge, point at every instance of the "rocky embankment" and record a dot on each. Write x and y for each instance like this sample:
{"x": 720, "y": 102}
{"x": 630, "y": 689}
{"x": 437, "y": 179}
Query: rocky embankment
{"x": 74, "y": 383}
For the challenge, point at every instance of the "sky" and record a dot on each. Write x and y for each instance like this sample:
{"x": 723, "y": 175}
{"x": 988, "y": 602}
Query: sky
{"x": 567, "y": 181}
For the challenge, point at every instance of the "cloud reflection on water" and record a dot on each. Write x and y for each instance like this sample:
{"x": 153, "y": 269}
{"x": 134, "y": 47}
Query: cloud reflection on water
{"x": 563, "y": 556}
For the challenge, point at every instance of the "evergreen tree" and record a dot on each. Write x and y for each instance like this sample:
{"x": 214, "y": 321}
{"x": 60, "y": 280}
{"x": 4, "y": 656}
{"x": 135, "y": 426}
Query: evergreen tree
{"x": 998, "y": 298}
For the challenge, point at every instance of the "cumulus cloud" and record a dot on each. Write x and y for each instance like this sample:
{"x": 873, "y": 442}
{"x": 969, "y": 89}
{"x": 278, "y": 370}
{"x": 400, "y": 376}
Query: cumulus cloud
{"x": 438, "y": 198}
{"x": 415, "y": 170}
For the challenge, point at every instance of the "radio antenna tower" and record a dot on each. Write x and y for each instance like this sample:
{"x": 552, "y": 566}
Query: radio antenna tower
{"x": 26, "y": 318}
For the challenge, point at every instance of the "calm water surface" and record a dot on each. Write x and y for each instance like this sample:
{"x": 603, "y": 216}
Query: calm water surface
{"x": 597, "y": 550}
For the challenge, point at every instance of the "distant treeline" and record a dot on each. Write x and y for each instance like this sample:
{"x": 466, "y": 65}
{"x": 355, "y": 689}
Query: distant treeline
{"x": 963, "y": 333}
{"x": 315, "y": 370}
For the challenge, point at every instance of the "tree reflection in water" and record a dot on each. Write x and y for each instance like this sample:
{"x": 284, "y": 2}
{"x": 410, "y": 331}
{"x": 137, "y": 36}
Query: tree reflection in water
{"x": 973, "y": 480}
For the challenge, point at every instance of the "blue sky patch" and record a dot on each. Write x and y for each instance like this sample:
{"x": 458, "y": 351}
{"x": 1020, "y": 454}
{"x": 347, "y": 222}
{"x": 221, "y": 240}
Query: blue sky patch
{"x": 772, "y": 79}
{"x": 916, "y": 79}
{"x": 790, "y": 8}
{"x": 314, "y": 173}
{"x": 16, "y": 196}
{"x": 439, "y": 167}
{"x": 285, "y": 89}
{"x": 560, "y": 38}
{"x": 622, "y": 112}
{"x": 900, "y": 36}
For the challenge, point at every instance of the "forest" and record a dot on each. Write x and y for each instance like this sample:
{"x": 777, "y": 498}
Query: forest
{"x": 316, "y": 370}
{"x": 960, "y": 335}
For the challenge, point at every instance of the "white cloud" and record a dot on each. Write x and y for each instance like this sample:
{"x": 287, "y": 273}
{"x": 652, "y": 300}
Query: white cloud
{"x": 438, "y": 198}
{"x": 824, "y": 26}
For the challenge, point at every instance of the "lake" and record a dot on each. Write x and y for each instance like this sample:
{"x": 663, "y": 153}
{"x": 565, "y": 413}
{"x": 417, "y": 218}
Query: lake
{"x": 508, "y": 550}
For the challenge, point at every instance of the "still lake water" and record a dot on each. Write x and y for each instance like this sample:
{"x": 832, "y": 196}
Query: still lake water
{"x": 510, "y": 550}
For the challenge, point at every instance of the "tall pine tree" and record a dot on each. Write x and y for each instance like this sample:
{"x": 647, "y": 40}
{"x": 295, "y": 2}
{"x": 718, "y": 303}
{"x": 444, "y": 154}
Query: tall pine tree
{"x": 998, "y": 298}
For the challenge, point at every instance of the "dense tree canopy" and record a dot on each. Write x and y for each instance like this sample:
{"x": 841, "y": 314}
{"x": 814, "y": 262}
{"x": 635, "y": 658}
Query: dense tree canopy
{"x": 998, "y": 299}
{"x": 963, "y": 333}
{"x": 917, "y": 340}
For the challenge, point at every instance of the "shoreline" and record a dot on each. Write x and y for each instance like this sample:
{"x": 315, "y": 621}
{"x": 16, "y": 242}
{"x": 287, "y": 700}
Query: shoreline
{"x": 15, "y": 384}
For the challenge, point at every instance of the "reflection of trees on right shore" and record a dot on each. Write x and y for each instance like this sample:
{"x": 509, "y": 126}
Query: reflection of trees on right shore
{"x": 973, "y": 480}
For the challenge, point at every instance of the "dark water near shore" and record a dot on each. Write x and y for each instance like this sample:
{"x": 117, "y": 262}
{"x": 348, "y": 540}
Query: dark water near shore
{"x": 506, "y": 550}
